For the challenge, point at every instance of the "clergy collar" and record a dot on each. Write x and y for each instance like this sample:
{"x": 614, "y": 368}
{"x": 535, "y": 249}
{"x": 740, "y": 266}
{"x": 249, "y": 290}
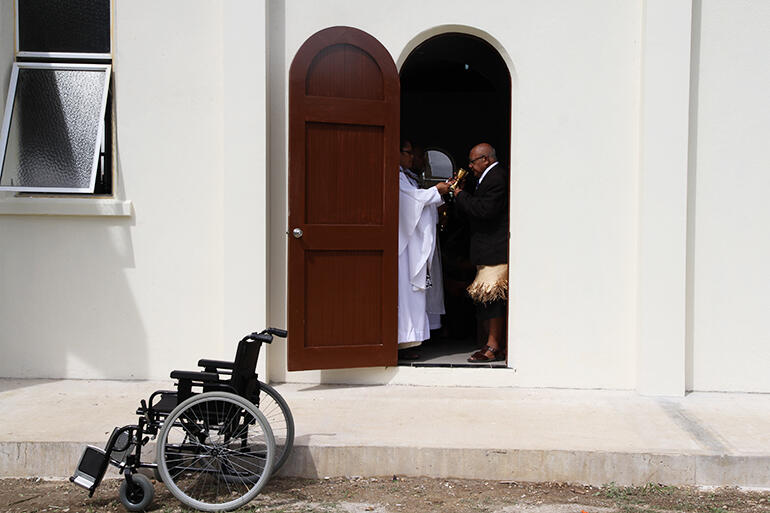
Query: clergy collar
{"x": 487, "y": 171}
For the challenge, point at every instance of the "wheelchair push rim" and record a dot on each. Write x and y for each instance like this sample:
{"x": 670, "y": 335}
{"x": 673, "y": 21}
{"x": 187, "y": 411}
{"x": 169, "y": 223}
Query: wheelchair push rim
{"x": 216, "y": 451}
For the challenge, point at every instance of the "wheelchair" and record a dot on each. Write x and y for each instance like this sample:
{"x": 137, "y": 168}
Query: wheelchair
{"x": 219, "y": 436}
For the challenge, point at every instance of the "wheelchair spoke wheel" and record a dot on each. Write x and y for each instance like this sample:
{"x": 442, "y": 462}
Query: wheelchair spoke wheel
{"x": 215, "y": 451}
{"x": 281, "y": 421}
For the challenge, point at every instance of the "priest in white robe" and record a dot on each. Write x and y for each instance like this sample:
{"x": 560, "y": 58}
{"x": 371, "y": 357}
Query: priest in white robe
{"x": 420, "y": 284}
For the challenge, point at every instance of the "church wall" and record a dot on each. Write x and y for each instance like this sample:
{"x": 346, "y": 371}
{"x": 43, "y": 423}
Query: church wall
{"x": 185, "y": 271}
{"x": 731, "y": 247}
{"x": 575, "y": 77}
{"x": 183, "y": 275}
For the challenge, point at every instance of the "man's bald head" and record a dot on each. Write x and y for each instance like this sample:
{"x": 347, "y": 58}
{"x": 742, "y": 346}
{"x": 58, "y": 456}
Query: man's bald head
{"x": 485, "y": 149}
{"x": 482, "y": 156}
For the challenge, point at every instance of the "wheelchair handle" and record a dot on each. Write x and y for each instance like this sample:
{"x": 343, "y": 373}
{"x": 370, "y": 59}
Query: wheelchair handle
{"x": 259, "y": 337}
{"x": 266, "y": 335}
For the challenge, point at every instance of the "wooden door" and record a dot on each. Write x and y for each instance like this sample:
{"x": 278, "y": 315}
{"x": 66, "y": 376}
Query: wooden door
{"x": 343, "y": 202}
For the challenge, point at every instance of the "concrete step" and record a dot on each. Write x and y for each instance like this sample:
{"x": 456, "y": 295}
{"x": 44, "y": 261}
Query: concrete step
{"x": 591, "y": 437}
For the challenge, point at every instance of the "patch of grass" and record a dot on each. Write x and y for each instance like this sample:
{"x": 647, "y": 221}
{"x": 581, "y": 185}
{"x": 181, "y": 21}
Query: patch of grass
{"x": 657, "y": 489}
{"x": 686, "y": 506}
{"x": 635, "y": 499}
{"x": 628, "y": 508}
{"x": 613, "y": 491}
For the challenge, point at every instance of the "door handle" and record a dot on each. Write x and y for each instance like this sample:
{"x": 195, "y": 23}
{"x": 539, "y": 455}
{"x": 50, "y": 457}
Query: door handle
{"x": 297, "y": 232}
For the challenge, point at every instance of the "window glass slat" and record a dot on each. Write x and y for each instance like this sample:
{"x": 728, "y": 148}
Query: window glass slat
{"x": 55, "y": 130}
{"x": 68, "y": 26}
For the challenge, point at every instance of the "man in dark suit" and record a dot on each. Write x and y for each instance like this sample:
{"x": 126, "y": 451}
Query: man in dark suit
{"x": 487, "y": 211}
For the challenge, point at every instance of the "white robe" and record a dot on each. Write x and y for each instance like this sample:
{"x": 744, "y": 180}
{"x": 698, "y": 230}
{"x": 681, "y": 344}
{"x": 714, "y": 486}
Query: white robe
{"x": 419, "y": 307}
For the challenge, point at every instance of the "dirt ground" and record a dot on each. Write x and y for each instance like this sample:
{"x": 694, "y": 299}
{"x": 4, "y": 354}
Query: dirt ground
{"x": 404, "y": 494}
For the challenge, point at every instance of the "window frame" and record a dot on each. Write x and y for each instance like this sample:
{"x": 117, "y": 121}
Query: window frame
{"x": 100, "y": 139}
{"x": 58, "y": 55}
{"x": 432, "y": 179}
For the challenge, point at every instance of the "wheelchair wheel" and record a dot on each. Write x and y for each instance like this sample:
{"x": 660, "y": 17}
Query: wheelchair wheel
{"x": 215, "y": 451}
{"x": 278, "y": 414}
{"x": 138, "y": 495}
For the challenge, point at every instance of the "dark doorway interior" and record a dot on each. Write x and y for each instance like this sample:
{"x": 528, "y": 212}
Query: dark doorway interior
{"x": 455, "y": 93}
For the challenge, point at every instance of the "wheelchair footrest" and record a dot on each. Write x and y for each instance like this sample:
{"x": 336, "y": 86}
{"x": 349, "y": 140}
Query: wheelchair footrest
{"x": 90, "y": 469}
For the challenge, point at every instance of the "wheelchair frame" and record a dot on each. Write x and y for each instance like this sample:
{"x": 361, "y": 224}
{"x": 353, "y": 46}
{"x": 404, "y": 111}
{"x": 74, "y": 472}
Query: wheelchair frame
{"x": 231, "y": 387}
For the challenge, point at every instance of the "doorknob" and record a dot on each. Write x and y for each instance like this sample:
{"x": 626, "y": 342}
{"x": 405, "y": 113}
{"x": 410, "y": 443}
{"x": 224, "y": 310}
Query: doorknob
{"x": 297, "y": 232}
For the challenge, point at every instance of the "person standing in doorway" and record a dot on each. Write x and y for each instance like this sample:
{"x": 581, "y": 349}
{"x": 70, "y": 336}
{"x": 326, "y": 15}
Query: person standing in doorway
{"x": 420, "y": 287}
{"x": 487, "y": 211}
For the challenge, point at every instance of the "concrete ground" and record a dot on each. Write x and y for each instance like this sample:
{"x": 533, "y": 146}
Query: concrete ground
{"x": 591, "y": 437}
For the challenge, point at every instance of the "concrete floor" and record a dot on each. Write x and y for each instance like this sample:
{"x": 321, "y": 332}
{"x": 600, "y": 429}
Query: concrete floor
{"x": 448, "y": 353}
{"x": 591, "y": 437}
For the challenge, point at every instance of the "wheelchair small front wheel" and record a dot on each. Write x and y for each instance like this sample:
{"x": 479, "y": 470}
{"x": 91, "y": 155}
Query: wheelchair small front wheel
{"x": 137, "y": 495}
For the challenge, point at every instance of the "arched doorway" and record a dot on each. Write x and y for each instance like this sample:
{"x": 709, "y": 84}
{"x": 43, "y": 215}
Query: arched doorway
{"x": 344, "y": 106}
{"x": 455, "y": 93}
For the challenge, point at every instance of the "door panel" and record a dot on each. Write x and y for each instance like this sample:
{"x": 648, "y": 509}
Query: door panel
{"x": 345, "y": 71}
{"x": 343, "y": 195}
{"x": 354, "y": 276}
{"x": 333, "y": 182}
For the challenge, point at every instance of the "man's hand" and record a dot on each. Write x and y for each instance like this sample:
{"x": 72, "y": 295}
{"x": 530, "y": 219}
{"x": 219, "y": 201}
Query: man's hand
{"x": 442, "y": 188}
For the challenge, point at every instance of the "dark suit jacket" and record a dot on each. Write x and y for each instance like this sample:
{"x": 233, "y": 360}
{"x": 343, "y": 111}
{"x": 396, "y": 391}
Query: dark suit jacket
{"x": 487, "y": 211}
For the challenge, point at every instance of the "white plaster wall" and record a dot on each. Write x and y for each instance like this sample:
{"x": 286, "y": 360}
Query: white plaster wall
{"x": 180, "y": 279}
{"x": 575, "y": 70}
{"x": 731, "y": 260}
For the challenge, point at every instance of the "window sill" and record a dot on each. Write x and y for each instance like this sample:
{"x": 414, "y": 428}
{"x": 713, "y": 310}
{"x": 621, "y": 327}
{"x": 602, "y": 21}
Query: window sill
{"x": 47, "y": 206}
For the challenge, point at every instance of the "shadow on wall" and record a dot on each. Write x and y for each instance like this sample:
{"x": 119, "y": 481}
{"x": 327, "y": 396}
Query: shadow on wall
{"x": 276, "y": 355}
{"x": 66, "y": 308}
{"x": 692, "y": 177}
{"x": 301, "y": 463}
{"x": 7, "y": 385}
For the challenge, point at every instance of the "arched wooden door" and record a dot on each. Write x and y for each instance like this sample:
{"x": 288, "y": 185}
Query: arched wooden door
{"x": 343, "y": 202}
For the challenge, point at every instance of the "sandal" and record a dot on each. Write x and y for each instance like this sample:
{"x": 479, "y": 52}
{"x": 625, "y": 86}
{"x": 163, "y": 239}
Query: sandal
{"x": 480, "y": 356}
{"x": 479, "y": 353}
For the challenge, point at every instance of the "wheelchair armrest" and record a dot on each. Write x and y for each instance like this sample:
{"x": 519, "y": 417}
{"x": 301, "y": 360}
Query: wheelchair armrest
{"x": 195, "y": 376}
{"x": 218, "y": 364}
